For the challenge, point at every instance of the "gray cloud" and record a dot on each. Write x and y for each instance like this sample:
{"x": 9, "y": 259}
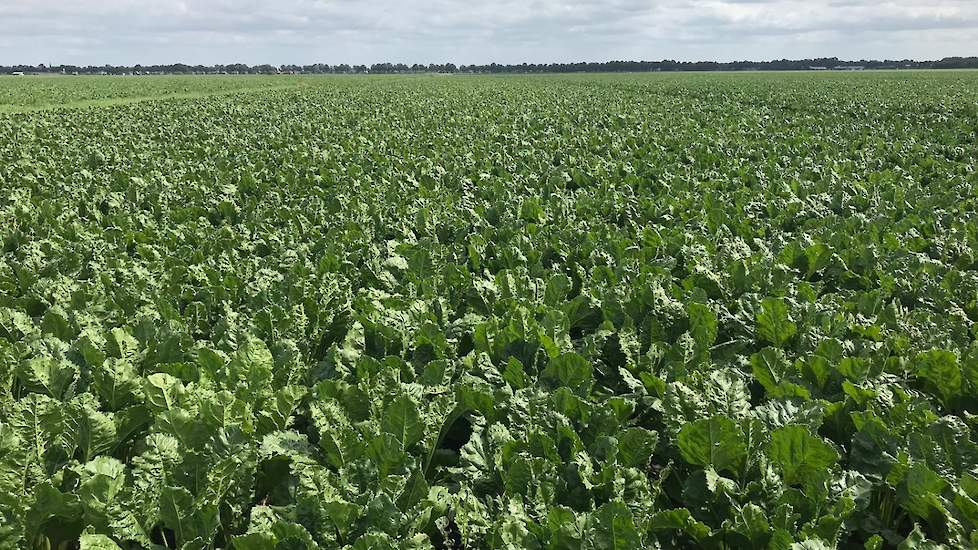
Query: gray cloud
{"x": 352, "y": 31}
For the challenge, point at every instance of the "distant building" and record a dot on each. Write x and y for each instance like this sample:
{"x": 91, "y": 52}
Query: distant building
{"x": 849, "y": 67}
{"x": 17, "y": 73}
{"x": 818, "y": 68}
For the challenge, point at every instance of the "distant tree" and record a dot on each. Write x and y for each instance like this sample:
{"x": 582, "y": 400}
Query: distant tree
{"x": 608, "y": 66}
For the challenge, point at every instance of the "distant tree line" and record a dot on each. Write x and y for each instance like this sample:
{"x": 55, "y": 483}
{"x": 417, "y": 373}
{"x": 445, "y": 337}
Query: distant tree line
{"x": 828, "y": 63}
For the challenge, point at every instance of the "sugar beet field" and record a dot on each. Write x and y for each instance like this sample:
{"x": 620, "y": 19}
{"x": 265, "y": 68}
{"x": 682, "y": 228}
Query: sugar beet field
{"x": 715, "y": 311}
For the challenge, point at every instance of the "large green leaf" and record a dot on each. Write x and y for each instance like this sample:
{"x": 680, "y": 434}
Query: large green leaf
{"x": 774, "y": 322}
{"x": 402, "y": 420}
{"x": 47, "y": 375}
{"x": 801, "y": 457}
{"x": 613, "y": 528}
{"x": 703, "y": 325}
{"x": 569, "y": 369}
{"x": 191, "y": 523}
{"x": 717, "y": 441}
{"x": 940, "y": 368}
{"x": 635, "y": 446}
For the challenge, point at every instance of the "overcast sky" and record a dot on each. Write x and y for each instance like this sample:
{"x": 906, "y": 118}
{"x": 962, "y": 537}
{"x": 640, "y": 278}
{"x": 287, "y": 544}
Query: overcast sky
{"x": 478, "y": 31}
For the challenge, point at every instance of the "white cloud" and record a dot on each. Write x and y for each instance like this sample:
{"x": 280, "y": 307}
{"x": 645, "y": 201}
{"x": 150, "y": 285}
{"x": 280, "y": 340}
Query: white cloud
{"x": 335, "y": 31}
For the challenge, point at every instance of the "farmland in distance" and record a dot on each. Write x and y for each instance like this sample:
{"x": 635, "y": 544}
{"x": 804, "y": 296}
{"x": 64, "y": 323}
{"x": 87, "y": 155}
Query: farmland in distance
{"x": 553, "y": 311}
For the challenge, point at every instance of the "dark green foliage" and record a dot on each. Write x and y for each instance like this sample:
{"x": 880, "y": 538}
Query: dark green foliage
{"x": 660, "y": 311}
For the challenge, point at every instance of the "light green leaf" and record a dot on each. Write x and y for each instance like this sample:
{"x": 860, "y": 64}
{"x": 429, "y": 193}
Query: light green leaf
{"x": 514, "y": 374}
{"x": 97, "y": 542}
{"x": 770, "y": 367}
{"x": 703, "y": 325}
{"x": 751, "y": 522}
{"x": 122, "y": 345}
{"x": 278, "y": 410}
{"x": 569, "y": 369}
{"x": 92, "y": 431}
{"x": 163, "y": 392}
{"x": 47, "y": 375}
{"x": 402, "y": 420}
{"x": 716, "y": 441}
{"x": 117, "y": 383}
{"x": 812, "y": 544}
{"x": 941, "y": 368}
{"x": 874, "y": 542}
{"x": 176, "y": 507}
{"x": 635, "y": 447}
{"x": 917, "y": 540}
{"x": 801, "y": 457}
{"x": 774, "y": 323}
{"x": 613, "y": 528}
{"x": 920, "y": 493}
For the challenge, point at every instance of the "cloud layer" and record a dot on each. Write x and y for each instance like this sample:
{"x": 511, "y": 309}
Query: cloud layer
{"x": 462, "y": 31}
